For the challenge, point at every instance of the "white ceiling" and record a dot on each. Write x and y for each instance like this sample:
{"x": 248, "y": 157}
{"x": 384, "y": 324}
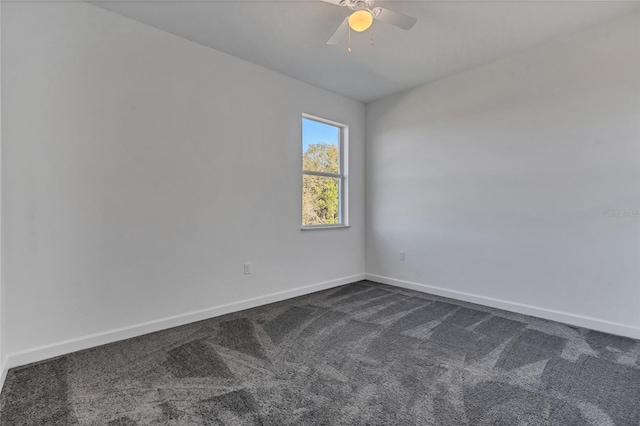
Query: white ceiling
{"x": 450, "y": 36}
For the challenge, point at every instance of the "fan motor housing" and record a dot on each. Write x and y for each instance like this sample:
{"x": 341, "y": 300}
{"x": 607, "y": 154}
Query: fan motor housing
{"x": 357, "y": 4}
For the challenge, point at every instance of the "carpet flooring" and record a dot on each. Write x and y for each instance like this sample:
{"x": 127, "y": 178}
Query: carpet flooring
{"x": 361, "y": 354}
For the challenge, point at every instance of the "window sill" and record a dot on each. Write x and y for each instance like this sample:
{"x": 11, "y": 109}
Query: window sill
{"x": 317, "y": 228}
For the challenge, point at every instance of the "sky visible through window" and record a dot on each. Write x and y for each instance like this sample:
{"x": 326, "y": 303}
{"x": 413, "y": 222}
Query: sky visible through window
{"x": 314, "y": 132}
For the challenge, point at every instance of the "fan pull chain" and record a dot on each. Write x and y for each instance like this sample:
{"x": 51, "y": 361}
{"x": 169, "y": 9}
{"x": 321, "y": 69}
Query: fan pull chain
{"x": 349, "y": 45}
{"x": 371, "y": 40}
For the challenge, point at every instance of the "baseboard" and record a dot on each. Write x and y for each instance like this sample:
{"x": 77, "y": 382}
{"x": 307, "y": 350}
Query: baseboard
{"x": 3, "y": 374}
{"x": 520, "y": 308}
{"x": 40, "y": 353}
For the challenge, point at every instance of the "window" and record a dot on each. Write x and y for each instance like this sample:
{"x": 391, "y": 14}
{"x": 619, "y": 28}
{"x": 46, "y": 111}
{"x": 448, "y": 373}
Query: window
{"x": 324, "y": 189}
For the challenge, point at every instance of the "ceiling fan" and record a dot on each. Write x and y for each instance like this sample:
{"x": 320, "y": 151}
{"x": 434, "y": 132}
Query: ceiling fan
{"x": 362, "y": 18}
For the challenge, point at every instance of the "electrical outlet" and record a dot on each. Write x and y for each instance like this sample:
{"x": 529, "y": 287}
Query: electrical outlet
{"x": 247, "y": 268}
{"x": 401, "y": 255}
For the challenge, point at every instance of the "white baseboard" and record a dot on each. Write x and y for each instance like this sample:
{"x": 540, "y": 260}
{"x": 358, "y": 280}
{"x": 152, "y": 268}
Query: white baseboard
{"x": 520, "y": 308}
{"x": 3, "y": 374}
{"x": 40, "y": 353}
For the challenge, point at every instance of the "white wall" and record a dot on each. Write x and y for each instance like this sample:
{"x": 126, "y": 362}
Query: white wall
{"x": 3, "y": 371}
{"x": 495, "y": 182}
{"x": 141, "y": 170}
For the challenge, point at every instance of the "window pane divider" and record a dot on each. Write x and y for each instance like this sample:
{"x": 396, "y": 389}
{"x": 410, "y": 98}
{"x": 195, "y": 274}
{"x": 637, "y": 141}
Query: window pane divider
{"x": 332, "y": 175}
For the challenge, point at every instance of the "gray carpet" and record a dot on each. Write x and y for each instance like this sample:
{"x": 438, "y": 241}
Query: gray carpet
{"x": 362, "y": 354}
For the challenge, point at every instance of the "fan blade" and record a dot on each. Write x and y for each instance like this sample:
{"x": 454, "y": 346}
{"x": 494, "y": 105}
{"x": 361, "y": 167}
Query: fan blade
{"x": 394, "y": 18}
{"x": 340, "y": 32}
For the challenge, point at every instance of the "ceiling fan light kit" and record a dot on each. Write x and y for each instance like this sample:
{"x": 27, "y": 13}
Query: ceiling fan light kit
{"x": 362, "y": 19}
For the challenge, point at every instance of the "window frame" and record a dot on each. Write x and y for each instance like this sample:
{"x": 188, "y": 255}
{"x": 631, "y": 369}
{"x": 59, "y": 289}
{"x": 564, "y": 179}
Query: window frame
{"x": 343, "y": 187}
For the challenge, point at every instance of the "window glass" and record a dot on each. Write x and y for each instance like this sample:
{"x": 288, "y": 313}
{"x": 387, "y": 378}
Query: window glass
{"x": 323, "y": 174}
